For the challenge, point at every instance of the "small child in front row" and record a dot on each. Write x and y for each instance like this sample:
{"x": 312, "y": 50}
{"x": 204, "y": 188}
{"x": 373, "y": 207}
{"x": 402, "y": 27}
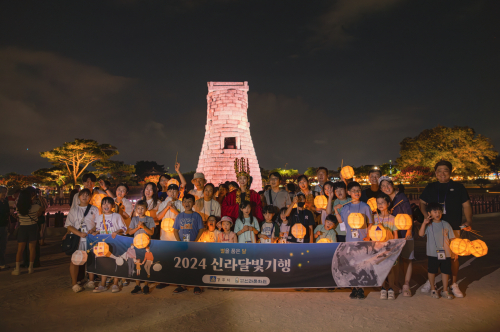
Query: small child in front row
{"x": 439, "y": 233}
{"x": 226, "y": 236}
{"x": 284, "y": 226}
{"x": 246, "y": 226}
{"x": 327, "y": 230}
{"x": 269, "y": 231}
{"x": 210, "y": 234}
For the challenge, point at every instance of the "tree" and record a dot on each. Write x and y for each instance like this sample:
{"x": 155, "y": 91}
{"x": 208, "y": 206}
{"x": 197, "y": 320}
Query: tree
{"x": 56, "y": 175}
{"x": 310, "y": 171}
{"x": 76, "y": 156}
{"x": 482, "y": 182}
{"x": 388, "y": 169}
{"x": 414, "y": 174}
{"x": 116, "y": 170}
{"x": 467, "y": 151}
{"x": 12, "y": 179}
{"x": 143, "y": 166}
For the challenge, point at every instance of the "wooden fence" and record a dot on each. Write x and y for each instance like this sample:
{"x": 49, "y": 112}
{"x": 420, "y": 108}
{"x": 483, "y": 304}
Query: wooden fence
{"x": 480, "y": 203}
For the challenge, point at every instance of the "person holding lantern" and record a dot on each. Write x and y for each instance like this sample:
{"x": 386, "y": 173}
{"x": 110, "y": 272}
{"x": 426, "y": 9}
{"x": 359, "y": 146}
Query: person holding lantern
{"x": 339, "y": 191}
{"x": 89, "y": 180}
{"x": 303, "y": 216}
{"x": 150, "y": 196}
{"x": 303, "y": 182}
{"x": 326, "y": 231}
{"x": 322, "y": 175}
{"x": 123, "y": 206}
{"x": 165, "y": 180}
{"x": 211, "y": 233}
{"x": 374, "y": 189}
{"x": 454, "y": 198}
{"x": 168, "y": 211}
{"x": 207, "y": 206}
{"x": 231, "y": 203}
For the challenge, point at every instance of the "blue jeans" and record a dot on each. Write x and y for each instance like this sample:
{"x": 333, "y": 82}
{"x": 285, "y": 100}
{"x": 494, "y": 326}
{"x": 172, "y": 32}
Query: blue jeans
{"x": 3, "y": 244}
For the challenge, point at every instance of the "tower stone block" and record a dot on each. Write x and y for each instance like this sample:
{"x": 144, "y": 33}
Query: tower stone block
{"x": 227, "y": 134}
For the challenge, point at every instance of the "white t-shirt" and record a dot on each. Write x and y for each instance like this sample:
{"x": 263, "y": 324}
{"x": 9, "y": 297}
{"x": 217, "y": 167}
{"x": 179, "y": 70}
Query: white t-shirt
{"x": 169, "y": 218}
{"x": 248, "y": 236}
{"x": 196, "y": 193}
{"x": 267, "y": 230}
{"x": 95, "y": 201}
{"x": 75, "y": 218}
{"x": 207, "y": 209}
{"x": 285, "y": 229}
{"x": 114, "y": 223}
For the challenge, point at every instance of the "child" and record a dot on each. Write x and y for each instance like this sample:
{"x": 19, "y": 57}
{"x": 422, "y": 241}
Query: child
{"x": 301, "y": 215}
{"x": 168, "y": 211}
{"x": 139, "y": 225}
{"x": 210, "y": 234}
{"x": 354, "y": 235}
{"x": 188, "y": 227}
{"x": 384, "y": 219}
{"x": 247, "y": 226}
{"x": 109, "y": 223}
{"x": 284, "y": 226}
{"x": 226, "y": 236}
{"x": 270, "y": 232}
{"x": 327, "y": 230}
{"x": 439, "y": 233}
{"x": 138, "y": 267}
{"x": 339, "y": 190}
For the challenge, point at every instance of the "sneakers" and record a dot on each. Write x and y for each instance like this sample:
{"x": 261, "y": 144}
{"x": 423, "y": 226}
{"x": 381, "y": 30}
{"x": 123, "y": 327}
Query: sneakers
{"x": 109, "y": 281}
{"x": 446, "y": 295}
{"x": 361, "y": 294}
{"x": 456, "y": 291}
{"x": 353, "y": 294}
{"x": 16, "y": 272}
{"x": 426, "y": 288}
{"x": 179, "y": 290}
{"x": 100, "y": 289}
{"x": 161, "y": 286}
{"x": 115, "y": 289}
{"x": 145, "y": 290}
{"x": 434, "y": 294}
{"x": 383, "y": 294}
{"x": 90, "y": 285}
{"x": 125, "y": 283}
{"x": 391, "y": 295}
{"x": 77, "y": 288}
{"x": 136, "y": 290}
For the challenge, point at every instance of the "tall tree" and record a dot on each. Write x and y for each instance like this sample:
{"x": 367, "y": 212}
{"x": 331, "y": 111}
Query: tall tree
{"x": 17, "y": 180}
{"x": 467, "y": 151}
{"x": 144, "y": 166}
{"x": 56, "y": 175}
{"x": 117, "y": 170}
{"x": 76, "y": 156}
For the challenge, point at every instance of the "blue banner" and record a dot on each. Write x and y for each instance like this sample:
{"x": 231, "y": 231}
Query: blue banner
{"x": 246, "y": 265}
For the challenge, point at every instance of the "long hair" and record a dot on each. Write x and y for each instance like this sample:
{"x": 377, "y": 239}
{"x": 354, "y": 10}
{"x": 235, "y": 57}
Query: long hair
{"x": 158, "y": 185}
{"x": 243, "y": 205}
{"x": 155, "y": 193}
{"x": 24, "y": 202}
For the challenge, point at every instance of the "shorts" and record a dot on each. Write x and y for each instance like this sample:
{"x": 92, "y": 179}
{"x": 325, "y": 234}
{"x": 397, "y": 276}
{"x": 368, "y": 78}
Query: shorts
{"x": 457, "y": 235}
{"x": 27, "y": 233}
{"x": 434, "y": 264}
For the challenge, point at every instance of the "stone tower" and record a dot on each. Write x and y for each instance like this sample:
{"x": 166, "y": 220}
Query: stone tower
{"x": 227, "y": 134}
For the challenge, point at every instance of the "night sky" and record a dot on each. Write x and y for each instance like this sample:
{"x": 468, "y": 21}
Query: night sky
{"x": 329, "y": 80}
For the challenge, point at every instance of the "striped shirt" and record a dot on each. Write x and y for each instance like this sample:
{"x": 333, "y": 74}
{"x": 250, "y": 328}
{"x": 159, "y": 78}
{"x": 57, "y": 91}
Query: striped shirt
{"x": 31, "y": 218}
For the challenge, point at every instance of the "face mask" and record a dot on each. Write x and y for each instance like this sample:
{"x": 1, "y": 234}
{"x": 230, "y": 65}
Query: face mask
{"x": 301, "y": 204}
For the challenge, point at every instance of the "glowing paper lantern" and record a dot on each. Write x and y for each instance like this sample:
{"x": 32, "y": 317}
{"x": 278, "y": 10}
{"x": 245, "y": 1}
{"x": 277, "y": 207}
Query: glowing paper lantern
{"x": 119, "y": 261}
{"x": 478, "y": 248}
{"x": 459, "y": 246}
{"x": 157, "y": 267}
{"x": 147, "y": 214}
{"x": 172, "y": 181}
{"x": 101, "y": 249}
{"x": 299, "y": 231}
{"x": 167, "y": 225}
{"x": 96, "y": 200}
{"x": 79, "y": 257}
{"x": 372, "y": 202}
{"x": 320, "y": 201}
{"x": 347, "y": 172}
{"x": 467, "y": 251}
{"x": 356, "y": 220}
{"x": 403, "y": 221}
{"x": 377, "y": 233}
{"x": 141, "y": 241}
{"x": 324, "y": 240}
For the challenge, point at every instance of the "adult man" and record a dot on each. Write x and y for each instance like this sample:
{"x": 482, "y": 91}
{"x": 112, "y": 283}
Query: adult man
{"x": 89, "y": 180}
{"x": 453, "y": 197}
{"x": 374, "y": 190}
{"x": 199, "y": 184}
{"x": 232, "y": 201}
{"x": 275, "y": 196}
{"x": 322, "y": 175}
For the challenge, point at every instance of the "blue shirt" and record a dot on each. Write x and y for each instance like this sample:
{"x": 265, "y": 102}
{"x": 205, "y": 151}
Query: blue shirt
{"x": 362, "y": 208}
{"x": 188, "y": 225}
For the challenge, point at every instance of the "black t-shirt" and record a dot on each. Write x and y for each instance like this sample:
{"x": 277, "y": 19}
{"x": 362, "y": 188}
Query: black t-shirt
{"x": 453, "y": 194}
{"x": 368, "y": 193}
{"x": 304, "y": 217}
{"x": 4, "y": 212}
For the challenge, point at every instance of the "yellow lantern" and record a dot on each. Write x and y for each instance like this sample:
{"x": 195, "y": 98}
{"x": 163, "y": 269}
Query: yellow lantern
{"x": 356, "y": 220}
{"x": 141, "y": 241}
{"x": 147, "y": 213}
{"x": 324, "y": 240}
{"x": 403, "y": 221}
{"x": 299, "y": 231}
{"x": 478, "y": 248}
{"x": 459, "y": 246}
{"x": 347, "y": 172}
{"x": 320, "y": 201}
{"x": 467, "y": 251}
{"x": 372, "y": 202}
{"x": 101, "y": 250}
{"x": 167, "y": 225}
{"x": 96, "y": 200}
{"x": 79, "y": 257}
{"x": 172, "y": 181}
{"x": 377, "y": 233}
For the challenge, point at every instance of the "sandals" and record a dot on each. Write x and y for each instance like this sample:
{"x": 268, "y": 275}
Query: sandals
{"x": 197, "y": 291}
{"x": 434, "y": 294}
{"x": 406, "y": 291}
{"x": 179, "y": 290}
{"x": 446, "y": 295}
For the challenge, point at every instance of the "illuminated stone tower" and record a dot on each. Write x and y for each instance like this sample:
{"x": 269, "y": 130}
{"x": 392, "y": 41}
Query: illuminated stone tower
{"x": 227, "y": 134}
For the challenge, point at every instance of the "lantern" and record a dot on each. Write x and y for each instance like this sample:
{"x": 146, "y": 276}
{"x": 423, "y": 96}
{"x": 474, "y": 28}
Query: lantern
{"x": 97, "y": 199}
{"x": 356, "y": 220}
{"x": 459, "y": 246}
{"x": 147, "y": 213}
{"x": 119, "y": 261}
{"x": 320, "y": 201}
{"x": 372, "y": 202}
{"x": 101, "y": 249}
{"x": 79, "y": 257}
{"x": 467, "y": 251}
{"x": 157, "y": 267}
{"x": 403, "y": 221}
{"x": 478, "y": 248}
{"x": 324, "y": 240}
{"x": 347, "y": 172}
{"x": 172, "y": 181}
{"x": 299, "y": 231}
{"x": 167, "y": 225}
{"x": 377, "y": 233}
{"x": 141, "y": 241}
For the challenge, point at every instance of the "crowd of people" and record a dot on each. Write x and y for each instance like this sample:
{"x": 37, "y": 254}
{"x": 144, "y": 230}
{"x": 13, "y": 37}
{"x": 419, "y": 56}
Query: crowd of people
{"x": 234, "y": 213}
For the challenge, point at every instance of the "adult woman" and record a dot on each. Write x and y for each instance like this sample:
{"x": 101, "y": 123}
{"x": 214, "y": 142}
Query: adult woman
{"x": 28, "y": 229}
{"x": 222, "y": 192}
{"x": 123, "y": 206}
{"x": 162, "y": 185}
{"x": 150, "y": 195}
{"x": 401, "y": 205}
{"x": 81, "y": 221}
{"x": 207, "y": 206}
{"x": 303, "y": 182}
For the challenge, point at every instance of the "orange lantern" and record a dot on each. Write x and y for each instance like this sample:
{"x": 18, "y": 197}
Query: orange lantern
{"x": 167, "y": 225}
{"x": 172, "y": 181}
{"x": 324, "y": 240}
{"x": 478, "y": 248}
{"x": 320, "y": 201}
{"x": 299, "y": 231}
{"x": 459, "y": 246}
{"x": 356, "y": 220}
{"x": 79, "y": 257}
{"x": 141, "y": 241}
{"x": 372, "y": 202}
{"x": 378, "y": 233}
{"x": 403, "y": 221}
{"x": 102, "y": 250}
{"x": 467, "y": 251}
{"x": 347, "y": 172}
{"x": 147, "y": 214}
